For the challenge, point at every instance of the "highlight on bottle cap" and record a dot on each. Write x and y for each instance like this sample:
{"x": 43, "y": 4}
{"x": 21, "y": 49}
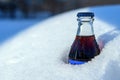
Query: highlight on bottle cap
{"x": 85, "y": 14}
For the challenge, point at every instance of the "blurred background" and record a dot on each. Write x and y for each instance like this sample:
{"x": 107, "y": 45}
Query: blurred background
{"x": 18, "y": 15}
{"x": 35, "y": 8}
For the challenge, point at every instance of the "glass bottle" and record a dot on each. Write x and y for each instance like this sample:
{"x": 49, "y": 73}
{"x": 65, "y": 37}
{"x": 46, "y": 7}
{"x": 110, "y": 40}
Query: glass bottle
{"x": 84, "y": 47}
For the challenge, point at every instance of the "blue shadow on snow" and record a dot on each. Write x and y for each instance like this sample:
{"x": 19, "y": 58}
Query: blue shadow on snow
{"x": 9, "y": 28}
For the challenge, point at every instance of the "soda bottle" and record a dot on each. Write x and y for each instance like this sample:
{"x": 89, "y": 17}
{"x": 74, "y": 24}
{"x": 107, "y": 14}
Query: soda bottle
{"x": 84, "y": 47}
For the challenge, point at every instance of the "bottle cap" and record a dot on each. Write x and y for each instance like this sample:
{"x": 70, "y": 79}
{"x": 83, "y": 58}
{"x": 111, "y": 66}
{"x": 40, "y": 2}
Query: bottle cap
{"x": 85, "y": 14}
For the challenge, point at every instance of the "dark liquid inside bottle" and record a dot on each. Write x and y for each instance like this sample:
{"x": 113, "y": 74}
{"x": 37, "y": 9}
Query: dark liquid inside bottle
{"x": 83, "y": 49}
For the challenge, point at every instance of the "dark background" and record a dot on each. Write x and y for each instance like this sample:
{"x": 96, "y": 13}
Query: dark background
{"x": 30, "y": 8}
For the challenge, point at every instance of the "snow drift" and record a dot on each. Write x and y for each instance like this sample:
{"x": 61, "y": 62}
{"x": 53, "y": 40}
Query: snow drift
{"x": 40, "y": 53}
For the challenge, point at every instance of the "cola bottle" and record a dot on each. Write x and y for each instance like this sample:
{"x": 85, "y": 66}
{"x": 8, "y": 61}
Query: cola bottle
{"x": 85, "y": 46}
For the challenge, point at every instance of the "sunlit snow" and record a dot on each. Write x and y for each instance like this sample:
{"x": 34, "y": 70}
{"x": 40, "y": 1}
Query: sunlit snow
{"x": 40, "y": 52}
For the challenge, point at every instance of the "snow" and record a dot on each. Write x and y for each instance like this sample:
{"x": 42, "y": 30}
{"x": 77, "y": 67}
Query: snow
{"x": 9, "y": 27}
{"x": 40, "y": 52}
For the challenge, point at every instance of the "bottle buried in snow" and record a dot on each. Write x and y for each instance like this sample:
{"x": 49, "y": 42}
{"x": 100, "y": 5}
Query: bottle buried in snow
{"x": 84, "y": 47}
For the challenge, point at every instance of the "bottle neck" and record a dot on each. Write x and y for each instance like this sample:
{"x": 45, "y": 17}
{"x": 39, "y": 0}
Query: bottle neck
{"x": 85, "y": 27}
